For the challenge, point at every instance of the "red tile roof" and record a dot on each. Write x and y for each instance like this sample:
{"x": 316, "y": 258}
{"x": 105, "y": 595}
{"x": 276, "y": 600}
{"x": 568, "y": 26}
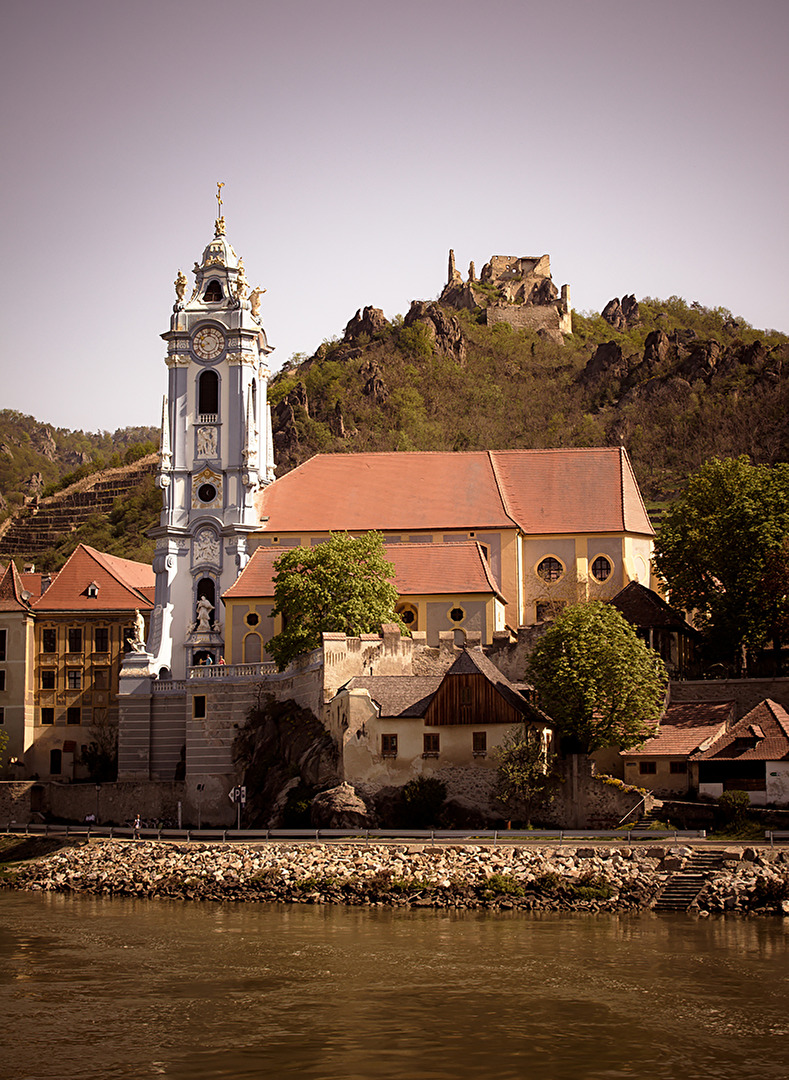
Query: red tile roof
{"x": 420, "y": 569}
{"x": 743, "y": 743}
{"x": 571, "y": 490}
{"x": 120, "y": 583}
{"x": 685, "y": 727}
{"x": 11, "y": 590}
{"x": 543, "y": 491}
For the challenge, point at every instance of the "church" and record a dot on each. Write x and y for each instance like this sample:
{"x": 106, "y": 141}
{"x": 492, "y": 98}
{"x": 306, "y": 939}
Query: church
{"x": 484, "y": 543}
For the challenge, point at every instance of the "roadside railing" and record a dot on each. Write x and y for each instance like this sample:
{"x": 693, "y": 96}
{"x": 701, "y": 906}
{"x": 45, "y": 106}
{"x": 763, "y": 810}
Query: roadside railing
{"x": 432, "y": 836}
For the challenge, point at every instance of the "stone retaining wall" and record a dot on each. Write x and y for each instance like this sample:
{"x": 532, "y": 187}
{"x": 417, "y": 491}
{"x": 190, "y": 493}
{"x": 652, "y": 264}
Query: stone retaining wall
{"x": 502, "y": 876}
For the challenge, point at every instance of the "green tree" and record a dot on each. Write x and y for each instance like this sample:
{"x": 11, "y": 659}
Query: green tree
{"x": 524, "y": 771}
{"x": 3, "y": 744}
{"x": 720, "y": 551}
{"x": 341, "y": 586}
{"x": 600, "y": 684}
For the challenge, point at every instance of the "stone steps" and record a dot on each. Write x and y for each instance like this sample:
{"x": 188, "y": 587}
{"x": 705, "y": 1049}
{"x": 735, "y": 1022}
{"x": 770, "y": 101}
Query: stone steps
{"x": 683, "y": 887}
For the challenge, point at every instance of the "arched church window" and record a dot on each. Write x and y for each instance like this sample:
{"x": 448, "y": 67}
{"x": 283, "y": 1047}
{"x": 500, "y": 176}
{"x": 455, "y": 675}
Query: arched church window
{"x": 253, "y": 649}
{"x": 208, "y": 393}
{"x": 213, "y": 292}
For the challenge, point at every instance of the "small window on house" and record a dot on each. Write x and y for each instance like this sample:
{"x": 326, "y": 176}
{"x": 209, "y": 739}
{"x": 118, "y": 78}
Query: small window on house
{"x": 678, "y": 768}
{"x": 388, "y": 746}
{"x": 213, "y": 292}
{"x": 479, "y": 744}
{"x": 601, "y": 568}
{"x": 647, "y": 768}
{"x": 47, "y": 715}
{"x": 252, "y": 619}
{"x": 101, "y": 678}
{"x": 465, "y": 695}
{"x": 74, "y": 679}
{"x": 127, "y": 636}
{"x": 92, "y": 590}
{"x": 74, "y": 715}
{"x": 430, "y": 745}
{"x": 550, "y": 569}
{"x": 49, "y": 640}
{"x": 2, "y": 679}
{"x": 198, "y": 706}
{"x": 3, "y": 634}
{"x": 48, "y": 679}
{"x": 101, "y": 639}
{"x": 74, "y": 638}
{"x": 2, "y": 715}
{"x": 55, "y": 762}
{"x": 457, "y": 614}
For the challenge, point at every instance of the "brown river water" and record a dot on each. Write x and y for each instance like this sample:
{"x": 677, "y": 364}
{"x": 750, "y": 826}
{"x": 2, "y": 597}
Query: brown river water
{"x": 102, "y": 988}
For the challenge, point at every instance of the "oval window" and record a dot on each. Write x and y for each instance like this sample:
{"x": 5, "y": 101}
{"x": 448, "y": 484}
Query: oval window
{"x": 550, "y": 569}
{"x": 601, "y": 568}
{"x": 206, "y": 493}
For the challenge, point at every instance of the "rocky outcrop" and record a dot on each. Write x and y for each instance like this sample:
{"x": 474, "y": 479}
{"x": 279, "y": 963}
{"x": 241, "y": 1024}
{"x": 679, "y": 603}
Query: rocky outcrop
{"x": 444, "y": 329}
{"x": 279, "y": 744}
{"x": 501, "y": 876}
{"x": 605, "y": 364}
{"x": 367, "y": 323}
{"x": 622, "y": 315}
{"x": 341, "y": 807}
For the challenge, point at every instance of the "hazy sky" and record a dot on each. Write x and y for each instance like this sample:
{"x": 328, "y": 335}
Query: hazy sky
{"x": 643, "y": 145}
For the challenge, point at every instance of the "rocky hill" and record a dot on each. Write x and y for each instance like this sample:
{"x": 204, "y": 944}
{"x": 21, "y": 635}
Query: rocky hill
{"x": 36, "y": 458}
{"x": 676, "y": 383}
{"x": 110, "y": 509}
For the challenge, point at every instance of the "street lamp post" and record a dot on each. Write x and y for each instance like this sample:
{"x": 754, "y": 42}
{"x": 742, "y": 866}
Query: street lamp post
{"x": 98, "y": 789}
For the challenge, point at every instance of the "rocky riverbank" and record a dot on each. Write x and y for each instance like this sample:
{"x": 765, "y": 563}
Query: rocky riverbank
{"x": 748, "y": 880}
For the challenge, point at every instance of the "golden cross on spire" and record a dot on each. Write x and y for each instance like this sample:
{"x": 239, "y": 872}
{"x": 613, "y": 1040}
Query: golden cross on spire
{"x": 220, "y": 221}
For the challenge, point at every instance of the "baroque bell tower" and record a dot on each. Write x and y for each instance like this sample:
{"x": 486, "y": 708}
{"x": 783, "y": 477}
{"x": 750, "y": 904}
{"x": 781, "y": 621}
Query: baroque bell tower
{"x": 216, "y": 453}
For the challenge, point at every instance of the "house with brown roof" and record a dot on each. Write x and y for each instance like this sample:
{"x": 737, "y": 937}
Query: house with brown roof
{"x": 664, "y": 764}
{"x": 556, "y": 526}
{"x": 662, "y": 627}
{"x": 392, "y": 728}
{"x": 439, "y": 586}
{"x": 752, "y": 756}
{"x": 84, "y": 621}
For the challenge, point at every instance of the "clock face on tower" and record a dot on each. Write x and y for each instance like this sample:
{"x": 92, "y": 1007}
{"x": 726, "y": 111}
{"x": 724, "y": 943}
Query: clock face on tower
{"x": 208, "y": 343}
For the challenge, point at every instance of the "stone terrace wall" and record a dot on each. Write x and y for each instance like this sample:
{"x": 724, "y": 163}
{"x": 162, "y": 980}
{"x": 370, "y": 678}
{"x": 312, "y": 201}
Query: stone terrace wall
{"x": 745, "y": 693}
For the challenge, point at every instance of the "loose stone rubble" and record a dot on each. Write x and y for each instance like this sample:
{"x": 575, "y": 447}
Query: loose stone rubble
{"x": 503, "y": 876}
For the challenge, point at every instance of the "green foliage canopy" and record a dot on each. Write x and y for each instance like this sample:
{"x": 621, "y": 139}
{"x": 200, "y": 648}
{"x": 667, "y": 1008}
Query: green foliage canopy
{"x": 523, "y": 772}
{"x": 721, "y": 551}
{"x": 341, "y": 586}
{"x": 600, "y": 684}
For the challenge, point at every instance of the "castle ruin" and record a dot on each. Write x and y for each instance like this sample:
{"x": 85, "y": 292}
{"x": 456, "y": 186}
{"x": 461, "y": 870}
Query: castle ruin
{"x": 514, "y": 290}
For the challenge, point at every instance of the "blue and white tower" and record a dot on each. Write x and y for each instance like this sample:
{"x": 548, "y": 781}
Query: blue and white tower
{"x": 216, "y": 453}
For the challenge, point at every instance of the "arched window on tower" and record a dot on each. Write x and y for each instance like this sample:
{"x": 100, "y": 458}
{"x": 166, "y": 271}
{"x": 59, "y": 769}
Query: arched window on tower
{"x": 208, "y": 394}
{"x": 213, "y": 292}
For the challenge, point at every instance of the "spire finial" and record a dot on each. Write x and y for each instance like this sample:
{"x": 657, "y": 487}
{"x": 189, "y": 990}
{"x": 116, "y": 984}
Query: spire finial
{"x": 220, "y": 221}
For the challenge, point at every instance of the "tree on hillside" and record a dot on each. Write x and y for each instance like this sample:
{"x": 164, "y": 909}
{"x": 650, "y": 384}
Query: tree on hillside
{"x": 524, "y": 771}
{"x": 341, "y": 586}
{"x": 721, "y": 551}
{"x": 599, "y": 683}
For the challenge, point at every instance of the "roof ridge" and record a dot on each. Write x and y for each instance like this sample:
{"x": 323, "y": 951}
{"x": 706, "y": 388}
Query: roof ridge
{"x": 500, "y": 489}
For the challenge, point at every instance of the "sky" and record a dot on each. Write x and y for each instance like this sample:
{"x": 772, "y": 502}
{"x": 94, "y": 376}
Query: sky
{"x": 642, "y": 145}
